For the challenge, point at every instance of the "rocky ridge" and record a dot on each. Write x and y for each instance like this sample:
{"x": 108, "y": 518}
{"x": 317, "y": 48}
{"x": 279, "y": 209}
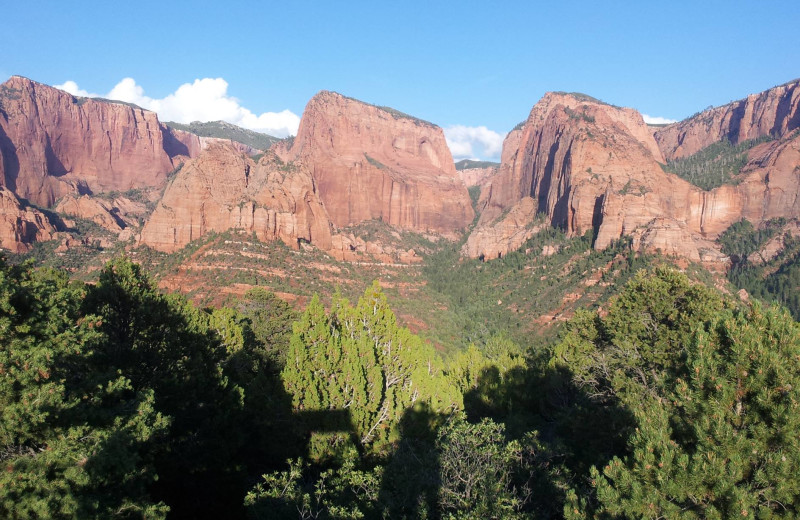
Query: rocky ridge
{"x": 576, "y": 163}
{"x": 54, "y": 144}
{"x": 372, "y": 163}
{"x": 591, "y": 166}
{"x": 774, "y": 112}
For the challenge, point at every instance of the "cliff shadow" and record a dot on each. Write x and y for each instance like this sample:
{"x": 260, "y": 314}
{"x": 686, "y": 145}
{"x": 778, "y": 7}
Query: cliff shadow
{"x": 10, "y": 161}
{"x": 737, "y": 116}
{"x": 55, "y": 168}
{"x": 540, "y": 192}
{"x": 172, "y": 146}
{"x": 783, "y": 113}
{"x": 597, "y": 216}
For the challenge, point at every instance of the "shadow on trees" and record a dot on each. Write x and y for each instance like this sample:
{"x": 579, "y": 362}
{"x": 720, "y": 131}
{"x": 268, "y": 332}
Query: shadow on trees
{"x": 564, "y": 431}
{"x": 410, "y": 484}
{"x": 229, "y": 417}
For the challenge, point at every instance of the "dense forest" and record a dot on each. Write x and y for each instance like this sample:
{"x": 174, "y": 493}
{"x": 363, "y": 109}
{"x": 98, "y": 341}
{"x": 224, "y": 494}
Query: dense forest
{"x": 773, "y": 279}
{"x": 118, "y": 401}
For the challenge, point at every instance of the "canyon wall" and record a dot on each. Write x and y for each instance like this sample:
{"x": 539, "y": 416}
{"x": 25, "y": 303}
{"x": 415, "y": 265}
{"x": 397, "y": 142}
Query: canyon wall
{"x": 374, "y": 163}
{"x": 774, "y": 112}
{"x": 53, "y": 143}
{"x": 585, "y": 165}
{"x": 223, "y": 188}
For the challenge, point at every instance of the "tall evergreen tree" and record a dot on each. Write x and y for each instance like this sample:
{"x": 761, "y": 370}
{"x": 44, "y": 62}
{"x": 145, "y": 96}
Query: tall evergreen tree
{"x": 721, "y": 441}
{"x": 74, "y": 439}
{"x": 360, "y": 360}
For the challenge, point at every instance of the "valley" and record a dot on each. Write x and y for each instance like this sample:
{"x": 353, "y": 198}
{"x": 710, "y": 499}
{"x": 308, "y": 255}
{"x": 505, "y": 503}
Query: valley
{"x": 201, "y": 322}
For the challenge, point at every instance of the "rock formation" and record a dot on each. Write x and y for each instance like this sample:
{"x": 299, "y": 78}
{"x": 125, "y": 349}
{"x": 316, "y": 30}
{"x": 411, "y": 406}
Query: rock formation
{"x": 374, "y": 163}
{"x": 774, "y": 112}
{"x": 477, "y": 176}
{"x": 587, "y": 165}
{"x": 20, "y": 225}
{"x": 101, "y": 212}
{"x": 183, "y": 144}
{"x": 225, "y": 189}
{"x": 576, "y": 163}
{"x": 350, "y": 162}
{"x": 53, "y": 143}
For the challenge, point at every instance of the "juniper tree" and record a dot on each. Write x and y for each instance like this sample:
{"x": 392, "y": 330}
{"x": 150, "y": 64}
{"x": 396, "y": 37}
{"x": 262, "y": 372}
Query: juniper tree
{"x": 360, "y": 360}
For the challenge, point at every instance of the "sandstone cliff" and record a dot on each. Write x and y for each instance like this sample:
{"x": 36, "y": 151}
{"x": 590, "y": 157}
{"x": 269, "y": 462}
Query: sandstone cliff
{"x": 186, "y": 145}
{"x": 102, "y": 213}
{"x": 225, "y": 189}
{"x": 572, "y": 155}
{"x": 477, "y": 176}
{"x": 774, "y": 112}
{"x": 587, "y": 165}
{"x": 21, "y": 226}
{"x": 374, "y": 163}
{"x": 54, "y": 144}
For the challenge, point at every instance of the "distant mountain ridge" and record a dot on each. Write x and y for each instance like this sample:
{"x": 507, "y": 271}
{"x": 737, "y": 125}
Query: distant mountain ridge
{"x": 589, "y": 166}
{"x": 582, "y": 164}
{"x": 225, "y": 130}
{"x": 468, "y": 164}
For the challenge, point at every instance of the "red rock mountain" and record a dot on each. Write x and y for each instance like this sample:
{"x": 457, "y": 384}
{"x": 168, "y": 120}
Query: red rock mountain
{"x": 223, "y": 188}
{"x": 59, "y": 148}
{"x": 350, "y": 162}
{"x": 21, "y": 225}
{"x": 587, "y": 165}
{"x": 374, "y": 163}
{"x": 53, "y": 144}
{"x": 774, "y": 112}
{"x": 582, "y": 164}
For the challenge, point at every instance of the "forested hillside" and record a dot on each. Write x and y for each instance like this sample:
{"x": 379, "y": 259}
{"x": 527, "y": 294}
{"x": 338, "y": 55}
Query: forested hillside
{"x": 117, "y": 401}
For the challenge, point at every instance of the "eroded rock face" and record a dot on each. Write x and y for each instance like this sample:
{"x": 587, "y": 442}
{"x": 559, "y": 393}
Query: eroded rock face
{"x": 369, "y": 163}
{"x": 587, "y": 165}
{"x": 775, "y": 245}
{"x": 101, "y": 212}
{"x": 494, "y": 239}
{"x": 774, "y": 112}
{"x": 54, "y": 144}
{"x": 186, "y": 145}
{"x": 225, "y": 189}
{"x": 21, "y": 226}
{"x": 477, "y": 176}
{"x": 569, "y": 158}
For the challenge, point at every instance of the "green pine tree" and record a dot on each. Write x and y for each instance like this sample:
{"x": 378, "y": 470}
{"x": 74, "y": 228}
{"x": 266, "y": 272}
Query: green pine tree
{"x": 722, "y": 441}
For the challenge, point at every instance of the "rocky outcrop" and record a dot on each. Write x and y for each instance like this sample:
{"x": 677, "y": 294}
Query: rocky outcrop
{"x": 374, "y": 163}
{"x": 477, "y": 176}
{"x": 573, "y": 156}
{"x": 494, "y": 239}
{"x": 225, "y": 189}
{"x": 100, "y": 212}
{"x": 54, "y": 144}
{"x": 20, "y": 225}
{"x": 774, "y": 246}
{"x": 587, "y": 165}
{"x": 348, "y": 247}
{"x": 183, "y": 144}
{"x": 774, "y": 112}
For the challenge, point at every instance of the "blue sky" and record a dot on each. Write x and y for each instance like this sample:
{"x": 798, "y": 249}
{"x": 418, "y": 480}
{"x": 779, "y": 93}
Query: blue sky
{"x": 462, "y": 65}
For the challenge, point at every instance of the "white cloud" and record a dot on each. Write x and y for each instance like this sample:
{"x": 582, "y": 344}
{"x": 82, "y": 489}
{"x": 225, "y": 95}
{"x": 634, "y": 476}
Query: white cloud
{"x": 72, "y": 88}
{"x": 205, "y": 99}
{"x": 650, "y": 120}
{"x": 472, "y": 142}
